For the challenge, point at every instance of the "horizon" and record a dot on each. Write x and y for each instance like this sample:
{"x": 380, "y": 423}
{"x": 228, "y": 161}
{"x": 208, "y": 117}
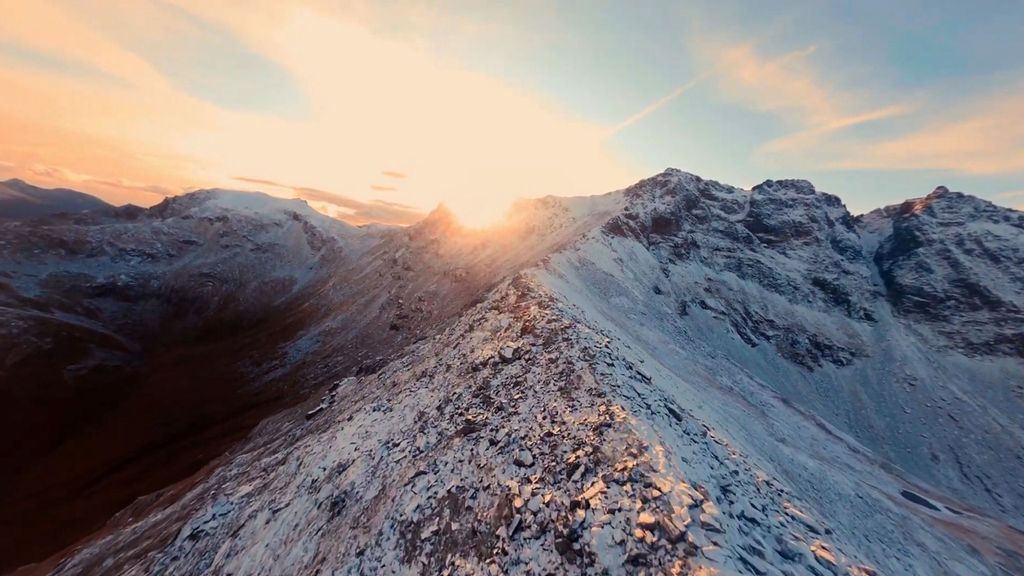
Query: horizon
{"x": 474, "y": 106}
{"x": 491, "y": 222}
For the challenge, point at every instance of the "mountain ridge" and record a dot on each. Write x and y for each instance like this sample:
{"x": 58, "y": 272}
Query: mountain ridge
{"x": 20, "y": 200}
{"x": 699, "y": 315}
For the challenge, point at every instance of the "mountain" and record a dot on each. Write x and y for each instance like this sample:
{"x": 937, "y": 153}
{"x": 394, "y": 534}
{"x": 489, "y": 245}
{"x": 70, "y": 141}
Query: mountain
{"x": 143, "y": 343}
{"x": 20, "y": 200}
{"x": 681, "y": 377}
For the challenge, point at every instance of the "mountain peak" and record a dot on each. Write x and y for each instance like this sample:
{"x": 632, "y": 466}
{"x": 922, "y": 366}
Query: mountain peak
{"x": 795, "y": 185}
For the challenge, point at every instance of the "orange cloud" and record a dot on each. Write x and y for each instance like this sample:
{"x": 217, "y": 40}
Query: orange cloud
{"x": 985, "y": 137}
{"x": 790, "y": 86}
{"x": 348, "y": 209}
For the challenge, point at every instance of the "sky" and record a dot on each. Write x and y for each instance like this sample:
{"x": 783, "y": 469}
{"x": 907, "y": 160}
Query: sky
{"x": 379, "y": 111}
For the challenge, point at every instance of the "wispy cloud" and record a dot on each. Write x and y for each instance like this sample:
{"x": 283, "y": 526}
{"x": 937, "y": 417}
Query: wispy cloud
{"x": 790, "y": 86}
{"x": 976, "y": 135}
{"x": 261, "y": 181}
{"x": 358, "y": 212}
{"x": 656, "y": 105}
{"x": 393, "y": 174}
{"x": 405, "y": 106}
{"x": 981, "y": 137}
{"x": 382, "y": 188}
{"x": 346, "y": 208}
{"x": 49, "y": 175}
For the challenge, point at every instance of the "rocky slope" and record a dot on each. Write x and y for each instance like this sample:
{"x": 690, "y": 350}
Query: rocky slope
{"x": 679, "y": 377}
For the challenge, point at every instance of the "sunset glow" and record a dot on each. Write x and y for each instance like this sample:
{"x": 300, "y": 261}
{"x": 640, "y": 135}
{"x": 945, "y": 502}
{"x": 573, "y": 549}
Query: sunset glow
{"x": 371, "y": 109}
{"x": 385, "y": 111}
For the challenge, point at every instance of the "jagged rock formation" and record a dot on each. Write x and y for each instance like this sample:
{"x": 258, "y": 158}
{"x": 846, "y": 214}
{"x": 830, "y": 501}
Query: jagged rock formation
{"x": 950, "y": 258}
{"x": 679, "y": 377}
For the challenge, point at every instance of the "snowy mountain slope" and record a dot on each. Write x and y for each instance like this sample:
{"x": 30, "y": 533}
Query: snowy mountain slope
{"x": 684, "y": 377}
{"x": 502, "y": 444}
{"x": 803, "y": 310}
{"x": 20, "y": 200}
{"x": 526, "y": 439}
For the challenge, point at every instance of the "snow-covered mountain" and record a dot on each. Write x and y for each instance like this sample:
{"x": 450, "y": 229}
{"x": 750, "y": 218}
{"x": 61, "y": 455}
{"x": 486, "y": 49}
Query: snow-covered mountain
{"x": 20, "y": 200}
{"x": 680, "y": 377}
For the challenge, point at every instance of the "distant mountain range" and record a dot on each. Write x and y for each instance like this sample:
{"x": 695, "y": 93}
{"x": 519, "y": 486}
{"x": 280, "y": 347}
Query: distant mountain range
{"x": 20, "y": 200}
{"x": 677, "y": 377}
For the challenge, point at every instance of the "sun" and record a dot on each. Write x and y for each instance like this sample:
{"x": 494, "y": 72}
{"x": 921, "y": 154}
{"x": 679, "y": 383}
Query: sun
{"x": 481, "y": 213}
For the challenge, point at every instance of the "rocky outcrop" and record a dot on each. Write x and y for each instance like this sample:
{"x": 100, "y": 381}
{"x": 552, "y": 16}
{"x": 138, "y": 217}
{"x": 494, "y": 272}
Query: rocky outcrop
{"x": 955, "y": 263}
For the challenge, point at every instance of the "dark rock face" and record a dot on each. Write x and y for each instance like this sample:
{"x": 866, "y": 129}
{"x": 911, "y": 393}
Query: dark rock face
{"x": 956, "y": 263}
{"x": 131, "y": 336}
{"x": 783, "y": 238}
{"x": 949, "y": 261}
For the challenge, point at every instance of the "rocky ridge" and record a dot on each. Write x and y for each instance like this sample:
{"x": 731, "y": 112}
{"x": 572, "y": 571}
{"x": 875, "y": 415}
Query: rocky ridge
{"x": 502, "y": 445}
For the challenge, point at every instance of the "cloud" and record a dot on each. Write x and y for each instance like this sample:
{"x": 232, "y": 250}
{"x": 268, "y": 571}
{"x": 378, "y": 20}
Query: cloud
{"x": 381, "y": 188}
{"x": 261, "y": 181}
{"x": 474, "y": 141}
{"x": 345, "y": 208}
{"x": 117, "y": 188}
{"x": 393, "y": 174}
{"x": 357, "y": 212}
{"x": 128, "y": 185}
{"x": 789, "y": 86}
{"x": 655, "y": 106}
{"x": 806, "y": 139}
{"x": 982, "y": 137}
{"x": 1011, "y": 194}
{"x": 978, "y": 136}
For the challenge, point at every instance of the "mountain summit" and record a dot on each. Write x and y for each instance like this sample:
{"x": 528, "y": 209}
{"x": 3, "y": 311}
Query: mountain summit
{"x": 677, "y": 377}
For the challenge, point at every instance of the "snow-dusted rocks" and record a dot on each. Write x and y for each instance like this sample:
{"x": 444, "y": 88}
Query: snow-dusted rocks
{"x": 359, "y": 492}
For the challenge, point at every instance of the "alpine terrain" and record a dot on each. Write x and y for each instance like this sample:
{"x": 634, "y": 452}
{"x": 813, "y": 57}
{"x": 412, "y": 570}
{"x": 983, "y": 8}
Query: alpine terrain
{"x": 680, "y": 377}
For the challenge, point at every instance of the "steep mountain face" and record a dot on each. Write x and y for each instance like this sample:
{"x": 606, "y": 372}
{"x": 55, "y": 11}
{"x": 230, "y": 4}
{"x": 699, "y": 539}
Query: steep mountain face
{"x": 784, "y": 284}
{"x": 678, "y": 377}
{"x": 20, "y": 200}
{"x": 137, "y": 345}
{"x": 953, "y": 262}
